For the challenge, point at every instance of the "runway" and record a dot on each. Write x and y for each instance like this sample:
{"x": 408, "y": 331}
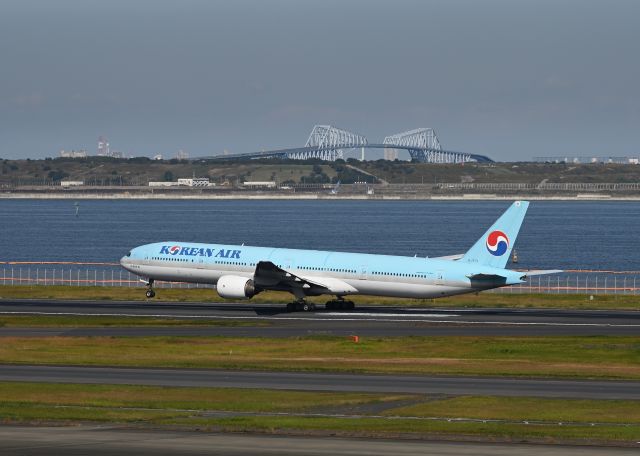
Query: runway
{"x": 412, "y": 384}
{"x": 272, "y": 320}
{"x": 108, "y": 440}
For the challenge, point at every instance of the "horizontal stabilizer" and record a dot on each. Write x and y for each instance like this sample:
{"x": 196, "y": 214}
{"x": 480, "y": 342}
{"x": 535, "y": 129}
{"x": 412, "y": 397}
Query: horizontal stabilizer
{"x": 538, "y": 272}
{"x": 449, "y": 257}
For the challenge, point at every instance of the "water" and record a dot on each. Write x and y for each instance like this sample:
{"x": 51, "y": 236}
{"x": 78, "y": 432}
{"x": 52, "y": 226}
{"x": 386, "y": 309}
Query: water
{"x": 566, "y": 235}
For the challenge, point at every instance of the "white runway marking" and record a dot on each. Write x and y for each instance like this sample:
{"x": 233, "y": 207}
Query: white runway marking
{"x": 414, "y": 320}
{"x": 369, "y": 314}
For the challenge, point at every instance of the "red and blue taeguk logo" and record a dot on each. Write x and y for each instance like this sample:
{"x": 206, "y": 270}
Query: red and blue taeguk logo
{"x": 174, "y": 250}
{"x": 497, "y": 243}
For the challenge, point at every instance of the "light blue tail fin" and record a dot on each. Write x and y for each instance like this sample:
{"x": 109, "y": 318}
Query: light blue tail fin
{"x": 494, "y": 247}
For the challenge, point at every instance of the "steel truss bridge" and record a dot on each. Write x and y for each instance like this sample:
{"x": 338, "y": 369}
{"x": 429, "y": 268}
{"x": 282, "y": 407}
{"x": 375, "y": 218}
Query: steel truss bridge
{"x": 328, "y": 143}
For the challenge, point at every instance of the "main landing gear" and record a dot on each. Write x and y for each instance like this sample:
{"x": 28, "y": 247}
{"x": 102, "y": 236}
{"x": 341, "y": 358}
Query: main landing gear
{"x": 150, "y": 293}
{"x": 334, "y": 304}
{"x": 301, "y": 305}
{"x": 340, "y": 304}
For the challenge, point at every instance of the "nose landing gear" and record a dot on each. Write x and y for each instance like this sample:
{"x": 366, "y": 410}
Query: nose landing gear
{"x": 301, "y": 305}
{"x": 150, "y": 293}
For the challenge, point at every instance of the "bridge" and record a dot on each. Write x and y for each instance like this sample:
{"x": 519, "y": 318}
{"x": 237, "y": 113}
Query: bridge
{"x": 328, "y": 143}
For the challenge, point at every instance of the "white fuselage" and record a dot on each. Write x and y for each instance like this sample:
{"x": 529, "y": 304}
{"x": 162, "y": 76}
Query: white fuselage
{"x": 340, "y": 273}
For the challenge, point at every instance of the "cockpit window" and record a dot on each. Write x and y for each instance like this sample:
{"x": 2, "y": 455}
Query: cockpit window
{"x": 129, "y": 254}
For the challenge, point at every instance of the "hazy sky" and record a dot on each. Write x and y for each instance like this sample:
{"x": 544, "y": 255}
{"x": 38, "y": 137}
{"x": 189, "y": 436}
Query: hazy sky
{"x": 510, "y": 79}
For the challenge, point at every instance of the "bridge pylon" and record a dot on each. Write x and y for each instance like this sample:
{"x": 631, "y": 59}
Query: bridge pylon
{"x": 327, "y": 142}
{"x": 420, "y": 138}
{"x": 424, "y": 146}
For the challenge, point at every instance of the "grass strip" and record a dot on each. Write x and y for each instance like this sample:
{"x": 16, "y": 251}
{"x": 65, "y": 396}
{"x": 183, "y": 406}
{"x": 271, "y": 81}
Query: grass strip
{"x": 360, "y": 426}
{"x": 20, "y": 412}
{"x": 611, "y": 357}
{"x": 526, "y": 408}
{"x": 617, "y": 421}
{"x": 482, "y": 300}
{"x": 181, "y": 398}
{"x": 364, "y": 426}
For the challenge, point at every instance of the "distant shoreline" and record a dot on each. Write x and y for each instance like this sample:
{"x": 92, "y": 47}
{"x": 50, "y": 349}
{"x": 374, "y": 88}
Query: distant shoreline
{"x": 311, "y": 196}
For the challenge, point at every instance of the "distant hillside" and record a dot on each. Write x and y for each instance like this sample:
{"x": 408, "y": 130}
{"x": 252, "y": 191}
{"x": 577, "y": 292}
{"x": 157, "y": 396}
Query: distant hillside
{"x": 139, "y": 171}
{"x": 416, "y": 173}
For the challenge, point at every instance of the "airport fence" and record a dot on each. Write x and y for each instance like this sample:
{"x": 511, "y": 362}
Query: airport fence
{"x": 580, "y": 282}
{"x": 546, "y": 186}
{"x": 587, "y": 282}
{"x": 78, "y": 274}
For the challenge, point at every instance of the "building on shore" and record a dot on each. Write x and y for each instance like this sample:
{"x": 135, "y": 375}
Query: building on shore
{"x": 589, "y": 159}
{"x": 259, "y": 184}
{"x": 195, "y": 182}
{"x": 390, "y": 154}
{"x": 73, "y": 153}
{"x": 199, "y": 182}
{"x": 67, "y": 184}
{"x": 163, "y": 184}
{"x": 103, "y": 147}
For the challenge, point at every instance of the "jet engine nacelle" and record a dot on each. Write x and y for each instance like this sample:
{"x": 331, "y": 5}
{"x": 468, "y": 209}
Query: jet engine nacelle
{"x": 235, "y": 287}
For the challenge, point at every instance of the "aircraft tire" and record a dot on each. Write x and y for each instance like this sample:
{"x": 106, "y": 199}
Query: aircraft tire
{"x": 150, "y": 294}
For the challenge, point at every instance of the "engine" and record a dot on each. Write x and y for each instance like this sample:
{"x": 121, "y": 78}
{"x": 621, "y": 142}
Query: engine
{"x": 235, "y": 287}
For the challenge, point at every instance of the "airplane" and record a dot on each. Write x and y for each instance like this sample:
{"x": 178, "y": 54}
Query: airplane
{"x": 241, "y": 272}
{"x": 334, "y": 190}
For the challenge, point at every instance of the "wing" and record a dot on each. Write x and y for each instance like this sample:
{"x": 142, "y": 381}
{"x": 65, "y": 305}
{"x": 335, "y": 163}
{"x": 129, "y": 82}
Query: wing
{"x": 270, "y": 276}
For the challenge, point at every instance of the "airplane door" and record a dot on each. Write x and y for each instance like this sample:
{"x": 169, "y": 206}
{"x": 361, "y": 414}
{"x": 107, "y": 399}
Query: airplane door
{"x": 363, "y": 271}
{"x": 439, "y": 277}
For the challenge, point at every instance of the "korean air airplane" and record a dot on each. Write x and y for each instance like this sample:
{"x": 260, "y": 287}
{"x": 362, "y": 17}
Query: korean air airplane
{"x": 241, "y": 272}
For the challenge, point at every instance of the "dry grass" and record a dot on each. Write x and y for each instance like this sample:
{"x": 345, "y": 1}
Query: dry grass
{"x": 194, "y": 408}
{"x": 410, "y": 428}
{"x": 551, "y": 301}
{"x": 586, "y": 356}
{"x": 182, "y": 398}
{"x": 526, "y": 408}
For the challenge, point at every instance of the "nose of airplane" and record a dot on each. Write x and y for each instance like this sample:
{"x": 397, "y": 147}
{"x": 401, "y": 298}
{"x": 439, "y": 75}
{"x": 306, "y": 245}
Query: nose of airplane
{"x": 126, "y": 263}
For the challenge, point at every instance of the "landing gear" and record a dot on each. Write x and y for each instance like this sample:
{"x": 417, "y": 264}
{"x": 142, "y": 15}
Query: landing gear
{"x": 301, "y": 305}
{"x": 150, "y": 293}
{"x": 340, "y": 304}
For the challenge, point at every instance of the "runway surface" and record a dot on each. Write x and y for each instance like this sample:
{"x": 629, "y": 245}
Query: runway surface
{"x": 587, "y": 389}
{"x": 108, "y": 440}
{"x": 273, "y": 321}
